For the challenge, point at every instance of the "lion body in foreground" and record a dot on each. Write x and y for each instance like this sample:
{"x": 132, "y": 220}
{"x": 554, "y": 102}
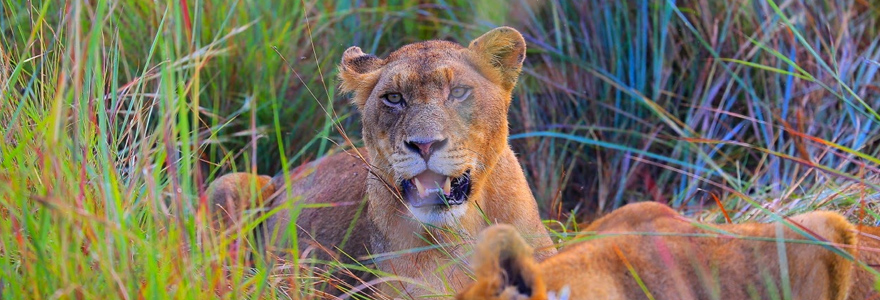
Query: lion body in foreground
{"x": 435, "y": 128}
{"x": 673, "y": 260}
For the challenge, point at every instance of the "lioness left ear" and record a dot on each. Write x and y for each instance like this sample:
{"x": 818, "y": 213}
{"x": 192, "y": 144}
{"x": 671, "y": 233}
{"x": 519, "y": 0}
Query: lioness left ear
{"x": 357, "y": 73}
{"x": 504, "y": 49}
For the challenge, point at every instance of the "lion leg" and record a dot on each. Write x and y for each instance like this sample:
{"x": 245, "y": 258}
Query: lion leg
{"x": 232, "y": 194}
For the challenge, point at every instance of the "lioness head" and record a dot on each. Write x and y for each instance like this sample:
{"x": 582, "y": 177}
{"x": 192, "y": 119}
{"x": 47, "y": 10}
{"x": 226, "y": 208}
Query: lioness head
{"x": 435, "y": 116}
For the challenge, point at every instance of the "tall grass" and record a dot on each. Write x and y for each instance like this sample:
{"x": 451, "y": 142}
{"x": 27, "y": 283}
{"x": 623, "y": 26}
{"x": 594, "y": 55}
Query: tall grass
{"x": 115, "y": 114}
{"x": 742, "y": 98}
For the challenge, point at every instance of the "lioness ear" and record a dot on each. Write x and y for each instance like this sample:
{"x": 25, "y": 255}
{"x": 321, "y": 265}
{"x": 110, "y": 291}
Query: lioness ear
{"x": 504, "y": 265}
{"x": 505, "y": 49}
{"x": 357, "y": 73}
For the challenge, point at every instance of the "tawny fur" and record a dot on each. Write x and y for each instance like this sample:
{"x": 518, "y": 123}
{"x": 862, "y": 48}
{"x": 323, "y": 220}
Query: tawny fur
{"x": 230, "y": 196}
{"x": 476, "y": 130}
{"x": 864, "y": 282}
{"x": 671, "y": 267}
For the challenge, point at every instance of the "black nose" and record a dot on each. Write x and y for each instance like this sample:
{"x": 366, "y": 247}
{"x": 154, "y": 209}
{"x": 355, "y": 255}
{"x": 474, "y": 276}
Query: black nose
{"x": 425, "y": 146}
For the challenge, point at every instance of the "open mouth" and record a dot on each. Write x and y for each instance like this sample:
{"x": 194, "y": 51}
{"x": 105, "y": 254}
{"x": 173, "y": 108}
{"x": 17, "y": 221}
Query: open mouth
{"x": 430, "y": 189}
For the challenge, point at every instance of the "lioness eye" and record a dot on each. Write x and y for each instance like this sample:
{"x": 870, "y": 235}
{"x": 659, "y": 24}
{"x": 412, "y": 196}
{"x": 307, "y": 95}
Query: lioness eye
{"x": 459, "y": 92}
{"x": 393, "y": 98}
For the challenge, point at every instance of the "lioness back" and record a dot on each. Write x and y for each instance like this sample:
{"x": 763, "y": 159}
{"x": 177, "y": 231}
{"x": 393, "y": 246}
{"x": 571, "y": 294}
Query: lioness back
{"x": 327, "y": 197}
{"x": 673, "y": 258}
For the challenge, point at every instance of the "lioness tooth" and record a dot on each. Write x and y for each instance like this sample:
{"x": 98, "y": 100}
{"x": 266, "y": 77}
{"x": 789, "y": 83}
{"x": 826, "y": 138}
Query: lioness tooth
{"x": 422, "y": 193}
{"x": 447, "y": 187}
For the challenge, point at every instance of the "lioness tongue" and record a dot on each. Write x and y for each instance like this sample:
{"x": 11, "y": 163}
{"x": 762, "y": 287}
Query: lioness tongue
{"x": 429, "y": 182}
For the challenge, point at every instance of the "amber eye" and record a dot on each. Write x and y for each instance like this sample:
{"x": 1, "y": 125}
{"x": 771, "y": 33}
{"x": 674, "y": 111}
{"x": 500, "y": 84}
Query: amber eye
{"x": 393, "y": 98}
{"x": 459, "y": 93}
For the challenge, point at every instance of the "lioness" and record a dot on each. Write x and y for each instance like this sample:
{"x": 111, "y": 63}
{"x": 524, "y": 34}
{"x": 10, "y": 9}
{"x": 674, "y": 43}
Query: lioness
{"x": 435, "y": 128}
{"x": 670, "y": 257}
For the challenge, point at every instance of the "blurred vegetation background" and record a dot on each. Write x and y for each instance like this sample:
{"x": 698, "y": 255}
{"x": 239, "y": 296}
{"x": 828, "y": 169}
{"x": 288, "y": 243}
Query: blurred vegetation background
{"x": 115, "y": 114}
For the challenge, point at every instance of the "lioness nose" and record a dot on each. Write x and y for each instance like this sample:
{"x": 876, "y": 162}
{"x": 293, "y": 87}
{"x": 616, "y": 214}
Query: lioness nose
{"x": 425, "y": 146}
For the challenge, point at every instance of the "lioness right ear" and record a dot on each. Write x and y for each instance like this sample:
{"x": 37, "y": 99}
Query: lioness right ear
{"x": 357, "y": 73}
{"x": 505, "y": 268}
{"x": 504, "y": 49}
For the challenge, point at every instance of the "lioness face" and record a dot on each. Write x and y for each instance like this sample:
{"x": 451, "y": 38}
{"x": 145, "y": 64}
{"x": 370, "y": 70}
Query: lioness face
{"x": 435, "y": 117}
